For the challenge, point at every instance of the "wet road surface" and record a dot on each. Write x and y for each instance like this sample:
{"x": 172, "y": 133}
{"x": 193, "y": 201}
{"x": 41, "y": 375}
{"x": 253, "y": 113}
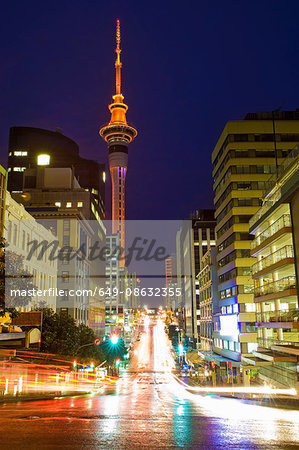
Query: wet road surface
{"x": 147, "y": 408}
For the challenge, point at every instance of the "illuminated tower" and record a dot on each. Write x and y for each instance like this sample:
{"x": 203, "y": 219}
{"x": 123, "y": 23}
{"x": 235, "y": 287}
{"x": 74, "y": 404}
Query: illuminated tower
{"x": 118, "y": 134}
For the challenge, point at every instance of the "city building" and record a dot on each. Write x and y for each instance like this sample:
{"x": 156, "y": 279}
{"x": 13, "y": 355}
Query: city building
{"x": 208, "y": 298}
{"x": 35, "y": 147}
{"x": 247, "y": 153}
{"x": 54, "y": 197}
{"x": 3, "y": 181}
{"x": 275, "y": 273}
{"x": 118, "y": 134}
{"x": 171, "y": 282}
{"x": 20, "y": 230}
{"x": 193, "y": 240}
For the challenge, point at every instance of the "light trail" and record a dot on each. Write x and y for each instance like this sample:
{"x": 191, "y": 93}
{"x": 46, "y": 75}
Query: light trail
{"x": 239, "y": 389}
{"x": 163, "y": 360}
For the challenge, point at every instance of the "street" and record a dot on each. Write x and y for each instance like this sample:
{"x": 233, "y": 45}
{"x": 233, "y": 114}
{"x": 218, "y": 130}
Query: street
{"x": 146, "y": 408}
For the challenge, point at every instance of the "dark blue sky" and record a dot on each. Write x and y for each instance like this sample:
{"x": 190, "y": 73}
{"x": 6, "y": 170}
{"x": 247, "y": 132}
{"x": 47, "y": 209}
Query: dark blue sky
{"x": 188, "y": 67}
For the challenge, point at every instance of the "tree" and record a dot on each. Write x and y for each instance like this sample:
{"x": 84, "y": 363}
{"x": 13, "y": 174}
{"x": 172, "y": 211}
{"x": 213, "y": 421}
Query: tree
{"x": 86, "y": 336}
{"x": 60, "y": 335}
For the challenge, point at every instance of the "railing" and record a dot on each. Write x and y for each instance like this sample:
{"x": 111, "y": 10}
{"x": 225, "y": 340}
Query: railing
{"x": 276, "y": 286}
{"x": 269, "y": 342}
{"x": 283, "y": 221}
{"x": 273, "y": 258}
{"x": 278, "y": 316}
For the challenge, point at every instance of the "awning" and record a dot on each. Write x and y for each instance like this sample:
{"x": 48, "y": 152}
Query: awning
{"x": 218, "y": 359}
{"x": 193, "y": 358}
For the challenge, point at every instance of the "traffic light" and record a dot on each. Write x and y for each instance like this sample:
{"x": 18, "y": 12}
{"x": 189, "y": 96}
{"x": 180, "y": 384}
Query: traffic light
{"x": 212, "y": 364}
{"x": 181, "y": 348}
{"x": 117, "y": 362}
{"x": 92, "y": 365}
{"x": 74, "y": 364}
{"x": 114, "y": 338}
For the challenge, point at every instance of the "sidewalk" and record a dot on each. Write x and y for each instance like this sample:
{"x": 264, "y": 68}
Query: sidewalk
{"x": 279, "y": 400}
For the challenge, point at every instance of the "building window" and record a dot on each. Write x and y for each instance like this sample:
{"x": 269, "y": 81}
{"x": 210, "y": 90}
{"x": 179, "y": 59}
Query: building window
{"x": 237, "y": 347}
{"x": 79, "y": 204}
{"x": 65, "y": 277}
{"x": 58, "y": 204}
{"x": 68, "y": 204}
{"x": 20, "y": 153}
{"x": 43, "y": 160}
{"x": 66, "y": 233}
{"x": 19, "y": 169}
{"x": 248, "y": 288}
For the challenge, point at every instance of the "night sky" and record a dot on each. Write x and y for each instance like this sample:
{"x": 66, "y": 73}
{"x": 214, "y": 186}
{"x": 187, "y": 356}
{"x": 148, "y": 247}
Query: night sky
{"x": 188, "y": 68}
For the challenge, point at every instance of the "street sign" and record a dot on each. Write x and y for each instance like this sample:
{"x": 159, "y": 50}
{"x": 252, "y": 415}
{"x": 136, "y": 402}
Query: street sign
{"x": 97, "y": 342}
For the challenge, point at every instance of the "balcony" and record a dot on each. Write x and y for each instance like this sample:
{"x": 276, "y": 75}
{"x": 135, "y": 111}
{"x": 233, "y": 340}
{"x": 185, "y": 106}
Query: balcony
{"x": 278, "y": 316}
{"x": 281, "y": 285}
{"x": 283, "y": 222}
{"x": 283, "y": 253}
{"x": 270, "y": 342}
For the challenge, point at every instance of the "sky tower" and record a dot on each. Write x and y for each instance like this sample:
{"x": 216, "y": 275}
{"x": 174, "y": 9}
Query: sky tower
{"x": 118, "y": 134}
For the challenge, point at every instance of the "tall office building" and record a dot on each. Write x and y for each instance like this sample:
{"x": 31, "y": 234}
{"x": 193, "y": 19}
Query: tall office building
{"x": 57, "y": 201}
{"x": 247, "y": 153}
{"x": 35, "y": 147}
{"x": 208, "y": 298}
{"x": 118, "y": 134}
{"x": 193, "y": 240}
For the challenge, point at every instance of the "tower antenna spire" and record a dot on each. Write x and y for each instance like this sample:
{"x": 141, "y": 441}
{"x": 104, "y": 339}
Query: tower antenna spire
{"x": 117, "y": 62}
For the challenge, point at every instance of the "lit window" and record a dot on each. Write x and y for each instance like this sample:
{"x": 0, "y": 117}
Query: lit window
{"x": 10, "y": 153}
{"x": 9, "y": 169}
{"x": 20, "y": 153}
{"x": 236, "y": 308}
{"x": 19, "y": 169}
{"x": 69, "y": 204}
{"x": 58, "y": 204}
{"x": 43, "y": 160}
{"x": 79, "y": 204}
{"x": 104, "y": 176}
